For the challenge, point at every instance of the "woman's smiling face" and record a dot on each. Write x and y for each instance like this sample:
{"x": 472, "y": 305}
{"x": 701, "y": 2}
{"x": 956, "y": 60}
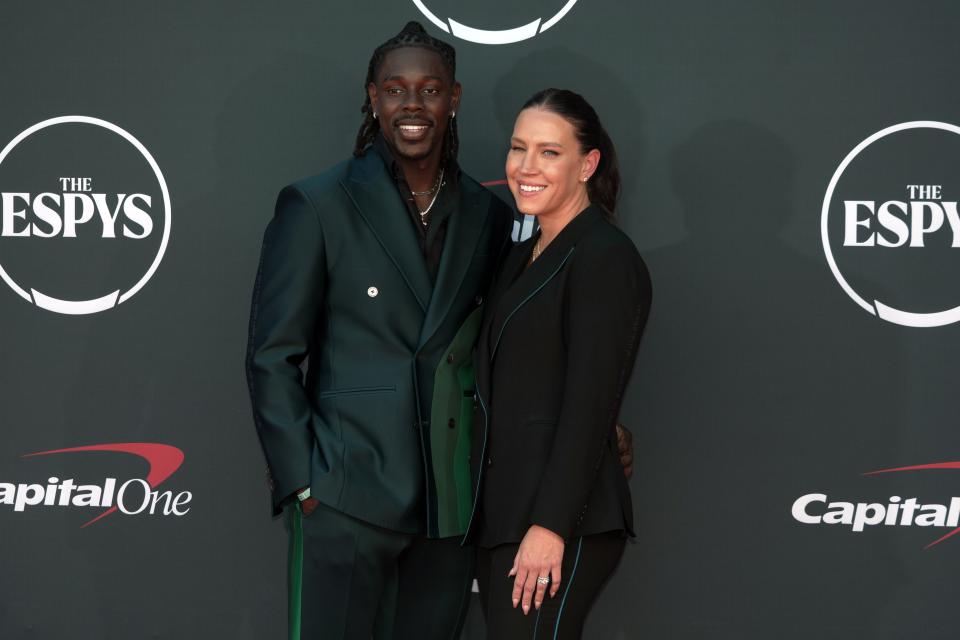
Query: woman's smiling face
{"x": 546, "y": 168}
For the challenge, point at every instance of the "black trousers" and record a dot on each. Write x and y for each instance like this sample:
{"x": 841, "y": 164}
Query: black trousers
{"x": 587, "y": 564}
{"x": 351, "y": 580}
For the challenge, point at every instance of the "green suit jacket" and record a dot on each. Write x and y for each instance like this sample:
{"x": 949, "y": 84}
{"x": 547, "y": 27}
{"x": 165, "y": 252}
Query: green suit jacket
{"x": 378, "y": 426}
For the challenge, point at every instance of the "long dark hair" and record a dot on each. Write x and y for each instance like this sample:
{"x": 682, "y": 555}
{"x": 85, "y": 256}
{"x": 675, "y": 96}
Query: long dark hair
{"x": 412, "y": 35}
{"x": 603, "y": 187}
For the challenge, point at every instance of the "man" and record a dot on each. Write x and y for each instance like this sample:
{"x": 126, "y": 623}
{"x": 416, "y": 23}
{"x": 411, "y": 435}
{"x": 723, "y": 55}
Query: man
{"x": 376, "y": 270}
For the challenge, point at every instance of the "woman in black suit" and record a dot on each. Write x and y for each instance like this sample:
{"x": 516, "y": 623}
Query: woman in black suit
{"x": 557, "y": 346}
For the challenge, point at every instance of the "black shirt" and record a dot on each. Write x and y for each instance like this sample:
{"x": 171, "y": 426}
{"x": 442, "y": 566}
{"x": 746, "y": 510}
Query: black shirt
{"x": 430, "y": 236}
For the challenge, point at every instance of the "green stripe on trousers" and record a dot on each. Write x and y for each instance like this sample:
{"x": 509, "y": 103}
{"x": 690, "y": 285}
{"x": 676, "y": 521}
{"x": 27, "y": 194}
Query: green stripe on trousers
{"x": 295, "y": 570}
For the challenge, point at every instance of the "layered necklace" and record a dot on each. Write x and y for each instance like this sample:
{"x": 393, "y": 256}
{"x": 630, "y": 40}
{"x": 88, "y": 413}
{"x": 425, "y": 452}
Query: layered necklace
{"x": 432, "y": 191}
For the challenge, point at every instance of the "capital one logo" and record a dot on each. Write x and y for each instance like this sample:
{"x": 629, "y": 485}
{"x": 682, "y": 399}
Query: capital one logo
{"x": 895, "y": 511}
{"x": 133, "y": 496}
{"x": 496, "y": 36}
{"x": 84, "y": 215}
{"x": 890, "y": 225}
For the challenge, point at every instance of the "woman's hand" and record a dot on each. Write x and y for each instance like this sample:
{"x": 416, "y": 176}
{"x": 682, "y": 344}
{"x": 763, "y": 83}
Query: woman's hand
{"x": 539, "y": 555}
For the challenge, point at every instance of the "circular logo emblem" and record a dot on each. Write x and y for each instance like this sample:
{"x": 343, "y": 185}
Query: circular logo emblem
{"x": 84, "y": 215}
{"x": 890, "y": 225}
{"x": 495, "y": 36}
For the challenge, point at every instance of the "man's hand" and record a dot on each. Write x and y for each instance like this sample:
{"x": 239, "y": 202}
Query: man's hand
{"x": 625, "y": 448}
{"x": 306, "y": 506}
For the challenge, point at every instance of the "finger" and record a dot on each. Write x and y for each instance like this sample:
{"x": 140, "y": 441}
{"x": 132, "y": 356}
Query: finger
{"x": 516, "y": 562}
{"x": 628, "y": 471}
{"x": 518, "y": 586}
{"x": 541, "y": 587}
{"x": 528, "y": 588}
{"x": 554, "y": 579}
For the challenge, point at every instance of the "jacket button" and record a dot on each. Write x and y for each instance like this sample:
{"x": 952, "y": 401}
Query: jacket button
{"x": 489, "y": 462}
{"x": 450, "y": 358}
{"x": 452, "y": 424}
{"x": 478, "y": 300}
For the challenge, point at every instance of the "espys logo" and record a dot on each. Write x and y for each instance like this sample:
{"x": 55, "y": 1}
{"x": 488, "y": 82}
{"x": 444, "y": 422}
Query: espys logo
{"x": 818, "y": 508}
{"x": 496, "y": 36}
{"x": 134, "y": 496}
{"x": 84, "y": 215}
{"x": 890, "y": 225}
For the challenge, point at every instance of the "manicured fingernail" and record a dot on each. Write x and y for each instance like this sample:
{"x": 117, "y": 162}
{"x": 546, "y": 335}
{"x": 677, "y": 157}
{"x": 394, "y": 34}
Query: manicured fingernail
{"x": 515, "y": 603}
{"x": 526, "y": 609}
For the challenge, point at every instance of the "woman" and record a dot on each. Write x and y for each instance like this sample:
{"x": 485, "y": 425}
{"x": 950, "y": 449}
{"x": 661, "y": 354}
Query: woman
{"x": 557, "y": 345}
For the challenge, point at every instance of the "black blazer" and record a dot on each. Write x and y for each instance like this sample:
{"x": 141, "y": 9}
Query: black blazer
{"x": 556, "y": 348}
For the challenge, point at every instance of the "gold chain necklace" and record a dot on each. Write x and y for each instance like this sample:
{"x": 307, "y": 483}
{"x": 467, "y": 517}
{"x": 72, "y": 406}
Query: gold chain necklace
{"x": 536, "y": 250}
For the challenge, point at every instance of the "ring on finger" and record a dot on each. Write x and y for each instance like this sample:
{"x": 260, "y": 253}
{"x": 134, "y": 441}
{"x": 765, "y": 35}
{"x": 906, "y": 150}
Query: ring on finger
{"x": 543, "y": 580}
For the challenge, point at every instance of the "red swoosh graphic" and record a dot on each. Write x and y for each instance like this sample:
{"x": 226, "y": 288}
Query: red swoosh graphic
{"x": 924, "y": 467}
{"x": 163, "y": 459}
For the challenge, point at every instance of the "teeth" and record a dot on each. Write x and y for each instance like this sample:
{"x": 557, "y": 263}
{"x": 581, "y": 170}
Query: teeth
{"x": 530, "y": 188}
{"x": 413, "y": 128}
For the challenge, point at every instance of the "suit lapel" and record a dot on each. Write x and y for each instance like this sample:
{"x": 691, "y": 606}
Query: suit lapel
{"x": 528, "y": 283}
{"x": 376, "y": 199}
{"x": 510, "y": 270}
{"x": 464, "y": 229}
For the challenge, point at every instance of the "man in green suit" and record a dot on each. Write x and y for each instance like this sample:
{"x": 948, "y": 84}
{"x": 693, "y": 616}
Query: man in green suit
{"x": 375, "y": 270}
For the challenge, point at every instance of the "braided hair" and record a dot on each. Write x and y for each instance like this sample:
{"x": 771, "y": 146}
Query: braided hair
{"x": 412, "y": 35}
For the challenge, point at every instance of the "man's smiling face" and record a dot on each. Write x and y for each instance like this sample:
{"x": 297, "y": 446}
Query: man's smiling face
{"x": 413, "y": 97}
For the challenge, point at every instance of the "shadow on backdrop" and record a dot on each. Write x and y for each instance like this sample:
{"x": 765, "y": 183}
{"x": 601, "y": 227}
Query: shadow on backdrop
{"x": 748, "y": 390}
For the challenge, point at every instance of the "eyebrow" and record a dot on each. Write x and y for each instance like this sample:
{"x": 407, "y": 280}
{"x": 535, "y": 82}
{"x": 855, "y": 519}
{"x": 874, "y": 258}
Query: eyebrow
{"x": 539, "y": 144}
{"x": 400, "y": 78}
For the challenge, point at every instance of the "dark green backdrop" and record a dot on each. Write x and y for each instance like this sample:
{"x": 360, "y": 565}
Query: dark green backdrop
{"x": 758, "y": 380}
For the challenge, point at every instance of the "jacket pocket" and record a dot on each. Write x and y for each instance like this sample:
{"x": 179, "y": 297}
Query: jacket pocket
{"x": 331, "y": 393}
{"x": 540, "y": 423}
